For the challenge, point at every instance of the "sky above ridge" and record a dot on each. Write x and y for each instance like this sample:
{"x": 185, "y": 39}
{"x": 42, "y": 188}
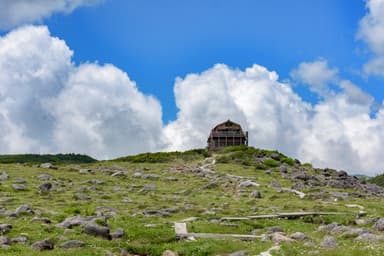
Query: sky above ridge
{"x": 111, "y": 78}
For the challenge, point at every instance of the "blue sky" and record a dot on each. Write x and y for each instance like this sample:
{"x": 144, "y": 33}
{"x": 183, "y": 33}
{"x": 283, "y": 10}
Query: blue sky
{"x": 156, "y": 41}
{"x": 114, "y": 77}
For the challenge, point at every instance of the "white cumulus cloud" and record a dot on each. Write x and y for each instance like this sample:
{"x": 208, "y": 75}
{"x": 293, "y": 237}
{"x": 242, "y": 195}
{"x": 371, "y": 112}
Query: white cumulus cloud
{"x": 18, "y": 12}
{"x": 270, "y": 110}
{"x": 371, "y": 30}
{"x": 47, "y": 104}
{"x": 101, "y": 112}
{"x": 317, "y": 75}
{"x": 337, "y": 132}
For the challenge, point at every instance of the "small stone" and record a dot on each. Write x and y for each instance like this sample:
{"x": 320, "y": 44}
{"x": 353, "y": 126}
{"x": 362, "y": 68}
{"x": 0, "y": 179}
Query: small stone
{"x": 43, "y": 220}
{"x": 85, "y": 171}
{"x": 48, "y": 166}
{"x": 20, "y": 180}
{"x": 368, "y": 237}
{"x": 148, "y": 187}
{"x": 354, "y": 232}
{"x": 44, "y": 177}
{"x": 126, "y": 200}
{"x": 72, "y": 244}
{"x": 158, "y": 213}
{"x": 20, "y": 239}
{"x": 93, "y": 229}
{"x": 170, "y": 253}
{"x": 151, "y": 225}
{"x": 25, "y": 208}
{"x": 255, "y": 194}
{"x": 5, "y": 228}
{"x": 119, "y": 174}
{"x": 45, "y": 187}
{"x": 18, "y": 187}
{"x": 78, "y": 221}
{"x": 45, "y": 244}
{"x": 172, "y": 179}
{"x": 150, "y": 176}
{"x": 379, "y": 225}
{"x": 81, "y": 196}
{"x": 239, "y": 253}
{"x": 275, "y": 184}
{"x": 119, "y": 233}
{"x": 248, "y": 183}
{"x": 4, "y": 176}
{"x": 279, "y": 237}
{"x": 5, "y": 240}
{"x": 299, "y": 236}
{"x": 364, "y": 221}
{"x": 329, "y": 242}
{"x": 275, "y": 229}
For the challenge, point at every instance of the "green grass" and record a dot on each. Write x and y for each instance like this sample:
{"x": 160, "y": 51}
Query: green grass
{"x": 378, "y": 180}
{"x": 163, "y": 157}
{"x": 181, "y": 187}
{"x": 56, "y": 159}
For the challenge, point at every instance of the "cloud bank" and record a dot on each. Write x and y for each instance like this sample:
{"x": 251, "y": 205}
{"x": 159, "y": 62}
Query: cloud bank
{"x": 371, "y": 30}
{"x": 49, "y": 104}
{"x": 18, "y": 12}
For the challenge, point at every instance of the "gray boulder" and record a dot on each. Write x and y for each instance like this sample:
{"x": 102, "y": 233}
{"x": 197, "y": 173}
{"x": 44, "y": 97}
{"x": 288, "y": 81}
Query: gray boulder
{"x": 299, "y": 236}
{"x": 19, "y": 239}
{"x": 81, "y": 196}
{"x": 93, "y": 229}
{"x": 329, "y": 242}
{"x": 5, "y": 240}
{"x": 46, "y": 244}
{"x": 18, "y": 187}
{"x": 5, "y": 228}
{"x": 379, "y": 225}
{"x": 255, "y": 194}
{"x": 119, "y": 233}
{"x": 42, "y": 220}
{"x": 44, "y": 176}
{"x": 24, "y": 209}
{"x": 48, "y": 166}
{"x": 169, "y": 253}
{"x": 275, "y": 229}
{"x": 4, "y": 176}
{"x": 119, "y": 174}
{"x": 78, "y": 221}
{"x": 45, "y": 187}
{"x": 369, "y": 238}
{"x": 248, "y": 183}
{"x": 72, "y": 244}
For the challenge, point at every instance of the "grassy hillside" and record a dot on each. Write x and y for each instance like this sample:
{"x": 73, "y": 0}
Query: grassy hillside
{"x": 378, "y": 180}
{"x": 144, "y": 195}
{"x": 164, "y": 157}
{"x": 56, "y": 159}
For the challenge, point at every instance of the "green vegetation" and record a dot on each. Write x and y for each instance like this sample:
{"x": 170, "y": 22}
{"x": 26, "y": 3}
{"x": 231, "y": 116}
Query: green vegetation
{"x": 56, "y": 159}
{"x": 164, "y": 157}
{"x": 175, "y": 186}
{"x": 251, "y": 157}
{"x": 378, "y": 180}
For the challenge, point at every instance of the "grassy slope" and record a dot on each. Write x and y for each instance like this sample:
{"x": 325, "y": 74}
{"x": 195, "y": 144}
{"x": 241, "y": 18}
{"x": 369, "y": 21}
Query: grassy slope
{"x": 187, "y": 190}
{"x": 56, "y": 159}
{"x": 378, "y": 180}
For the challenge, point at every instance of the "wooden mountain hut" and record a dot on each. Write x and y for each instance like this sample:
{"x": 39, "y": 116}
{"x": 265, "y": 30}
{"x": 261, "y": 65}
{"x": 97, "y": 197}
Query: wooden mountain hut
{"x": 227, "y": 134}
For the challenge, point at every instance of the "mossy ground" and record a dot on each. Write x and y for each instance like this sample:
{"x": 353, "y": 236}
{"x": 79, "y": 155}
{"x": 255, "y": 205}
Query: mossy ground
{"x": 186, "y": 193}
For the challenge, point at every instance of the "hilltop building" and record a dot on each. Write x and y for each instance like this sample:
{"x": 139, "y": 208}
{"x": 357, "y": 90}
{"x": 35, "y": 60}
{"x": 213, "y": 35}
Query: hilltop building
{"x": 227, "y": 134}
